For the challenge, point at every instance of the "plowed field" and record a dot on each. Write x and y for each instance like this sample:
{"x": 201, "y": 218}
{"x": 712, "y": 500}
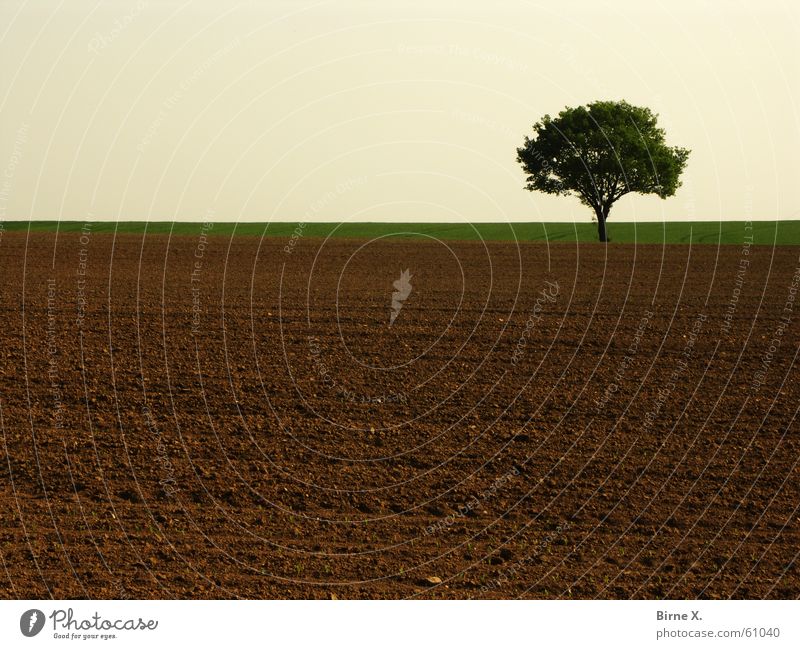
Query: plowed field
{"x": 207, "y": 417}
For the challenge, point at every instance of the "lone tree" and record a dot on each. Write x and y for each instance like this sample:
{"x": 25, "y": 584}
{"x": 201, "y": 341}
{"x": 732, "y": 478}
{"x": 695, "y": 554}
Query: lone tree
{"x": 600, "y": 152}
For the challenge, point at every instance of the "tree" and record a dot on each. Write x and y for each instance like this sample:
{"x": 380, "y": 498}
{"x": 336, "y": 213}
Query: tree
{"x": 600, "y": 152}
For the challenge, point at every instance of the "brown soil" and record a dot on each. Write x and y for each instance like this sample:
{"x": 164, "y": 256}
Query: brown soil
{"x": 288, "y": 442}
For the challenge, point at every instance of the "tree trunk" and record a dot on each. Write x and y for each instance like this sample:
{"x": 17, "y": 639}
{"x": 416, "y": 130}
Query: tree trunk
{"x": 602, "y": 215}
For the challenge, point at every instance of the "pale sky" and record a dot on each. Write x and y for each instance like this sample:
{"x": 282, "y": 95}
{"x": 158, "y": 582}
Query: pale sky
{"x": 381, "y": 111}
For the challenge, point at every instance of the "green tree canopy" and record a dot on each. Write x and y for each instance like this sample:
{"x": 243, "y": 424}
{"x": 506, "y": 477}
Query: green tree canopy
{"x": 599, "y": 153}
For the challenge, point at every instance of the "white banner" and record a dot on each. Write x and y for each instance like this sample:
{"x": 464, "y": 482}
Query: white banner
{"x": 406, "y": 624}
